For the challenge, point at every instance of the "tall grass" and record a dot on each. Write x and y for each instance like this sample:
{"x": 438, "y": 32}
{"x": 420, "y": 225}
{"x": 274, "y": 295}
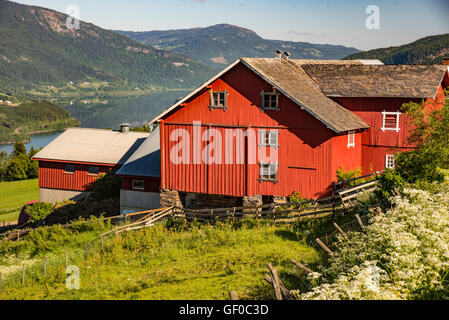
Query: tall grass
{"x": 162, "y": 262}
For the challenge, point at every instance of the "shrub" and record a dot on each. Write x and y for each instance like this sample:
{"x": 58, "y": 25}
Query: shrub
{"x": 107, "y": 186}
{"x": 430, "y": 134}
{"x": 388, "y": 181}
{"x": 343, "y": 175}
{"x": 38, "y": 211}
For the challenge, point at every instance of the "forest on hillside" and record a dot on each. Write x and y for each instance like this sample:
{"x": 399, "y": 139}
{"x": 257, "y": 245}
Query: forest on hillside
{"x": 17, "y": 122}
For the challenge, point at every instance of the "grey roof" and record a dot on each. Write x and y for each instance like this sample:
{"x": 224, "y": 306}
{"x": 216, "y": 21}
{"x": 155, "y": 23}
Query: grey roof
{"x": 146, "y": 161}
{"x": 93, "y": 146}
{"x": 393, "y": 81}
{"x": 290, "y": 78}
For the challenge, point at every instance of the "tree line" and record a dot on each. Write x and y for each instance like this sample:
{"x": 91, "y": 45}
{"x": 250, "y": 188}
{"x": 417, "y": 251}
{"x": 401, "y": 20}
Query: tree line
{"x": 18, "y": 165}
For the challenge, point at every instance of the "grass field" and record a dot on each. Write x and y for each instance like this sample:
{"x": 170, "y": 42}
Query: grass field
{"x": 13, "y": 195}
{"x": 203, "y": 262}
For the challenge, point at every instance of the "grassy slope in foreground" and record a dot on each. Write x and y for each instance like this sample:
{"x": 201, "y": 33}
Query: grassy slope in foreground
{"x": 155, "y": 263}
{"x": 13, "y": 195}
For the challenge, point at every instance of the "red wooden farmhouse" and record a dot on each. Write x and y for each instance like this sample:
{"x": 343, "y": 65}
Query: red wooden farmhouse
{"x": 71, "y": 163}
{"x": 307, "y": 118}
{"x": 256, "y": 132}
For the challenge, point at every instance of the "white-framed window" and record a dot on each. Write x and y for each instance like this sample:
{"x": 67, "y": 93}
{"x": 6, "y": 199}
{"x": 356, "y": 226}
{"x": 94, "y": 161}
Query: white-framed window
{"x": 390, "y": 121}
{"x": 389, "y": 161}
{"x": 268, "y": 172}
{"x": 69, "y": 168}
{"x": 138, "y": 185}
{"x": 218, "y": 100}
{"x": 351, "y": 139}
{"x": 269, "y": 138}
{"x": 270, "y": 101}
{"x": 93, "y": 171}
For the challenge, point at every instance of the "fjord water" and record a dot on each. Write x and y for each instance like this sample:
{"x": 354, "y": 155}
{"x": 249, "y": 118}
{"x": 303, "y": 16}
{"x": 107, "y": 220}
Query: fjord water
{"x": 108, "y": 112}
{"x": 37, "y": 141}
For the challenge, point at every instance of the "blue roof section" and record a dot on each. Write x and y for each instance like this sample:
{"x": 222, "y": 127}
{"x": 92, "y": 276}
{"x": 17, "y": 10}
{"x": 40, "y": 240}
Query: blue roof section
{"x": 146, "y": 161}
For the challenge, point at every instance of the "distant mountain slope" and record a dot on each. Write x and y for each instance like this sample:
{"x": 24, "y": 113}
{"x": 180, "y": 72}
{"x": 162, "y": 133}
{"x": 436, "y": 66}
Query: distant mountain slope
{"x": 221, "y": 44}
{"x": 37, "y": 48}
{"x": 428, "y": 50}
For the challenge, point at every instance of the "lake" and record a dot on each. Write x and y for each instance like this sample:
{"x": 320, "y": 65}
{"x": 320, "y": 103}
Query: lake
{"x": 37, "y": 141}
{"x": 108, "y": 112}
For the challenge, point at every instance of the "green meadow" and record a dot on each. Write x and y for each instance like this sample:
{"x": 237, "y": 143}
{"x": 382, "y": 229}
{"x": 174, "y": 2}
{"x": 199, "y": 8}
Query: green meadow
{"x": 13, "y": 195}
{"x": 167, "y": 261}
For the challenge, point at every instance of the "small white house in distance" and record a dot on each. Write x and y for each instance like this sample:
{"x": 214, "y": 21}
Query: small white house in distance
{"x": 141, "y": 177}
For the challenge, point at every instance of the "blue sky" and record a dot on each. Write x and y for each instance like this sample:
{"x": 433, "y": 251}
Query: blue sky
{"x": 319, "y": 21}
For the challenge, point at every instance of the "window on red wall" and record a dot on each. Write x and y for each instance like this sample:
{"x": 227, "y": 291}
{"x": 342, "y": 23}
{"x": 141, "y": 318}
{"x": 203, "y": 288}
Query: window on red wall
{"x": 218, "y": 100}
{"x": 389, "y": 161}
{"x": 351, "y": 139}
{"x": 93, "y": 171}
{"x": 69, "y": 168}
{"x": 390, "y": 121}
{"x": 138, "y": 185}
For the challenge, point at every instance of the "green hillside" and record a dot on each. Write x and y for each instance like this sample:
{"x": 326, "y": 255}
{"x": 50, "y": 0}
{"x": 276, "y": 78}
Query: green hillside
{"x": 429, "y": 50}
{"x": 37, "y": 50}
{"x": 221, "y": 44}
{"x": 17, "y": 122}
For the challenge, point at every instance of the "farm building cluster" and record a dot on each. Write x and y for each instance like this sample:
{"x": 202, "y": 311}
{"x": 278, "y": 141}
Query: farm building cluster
{"x": 256, "y": 132}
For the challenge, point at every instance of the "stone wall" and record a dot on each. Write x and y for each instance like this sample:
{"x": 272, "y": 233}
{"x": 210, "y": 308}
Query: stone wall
{"x": 170, "y": 198}
{"x": 206, "y": 201}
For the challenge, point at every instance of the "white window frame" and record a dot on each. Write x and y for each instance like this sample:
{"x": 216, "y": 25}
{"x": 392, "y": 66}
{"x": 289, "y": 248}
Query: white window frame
{"x": 351, "y": 139}
{"x": 273, "y": 138}
{"x": 138, "y": 188}
{"x": 271, "y": 94}
{"x": 384, "y": 115}
{"x": 271, "y": 166}
{"x": 388, "y": 160}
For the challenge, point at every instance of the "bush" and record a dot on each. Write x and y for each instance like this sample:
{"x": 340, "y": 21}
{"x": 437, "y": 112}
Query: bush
{"x": 38, "y": 211}
{"x": 343, "y": 175}
{"x": 107, "y": 186}
{"x": 389, "y": 181}
{"x": 430, "y": 134}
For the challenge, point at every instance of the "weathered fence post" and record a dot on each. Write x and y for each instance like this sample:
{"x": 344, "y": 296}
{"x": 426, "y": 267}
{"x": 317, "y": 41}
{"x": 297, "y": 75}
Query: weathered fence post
{"x": 359, "y": 221}
{"x": 275, "y": 280}
{"x": 233, "y": 295}
{"x": 301, "y": 266}
{"x": 339, "y": 229}
{"x": 323, "y": 246}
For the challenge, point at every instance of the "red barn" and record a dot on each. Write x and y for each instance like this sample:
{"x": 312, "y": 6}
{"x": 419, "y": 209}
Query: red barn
{"x": 263, "y": 128}
{"x": 71, "y": 163}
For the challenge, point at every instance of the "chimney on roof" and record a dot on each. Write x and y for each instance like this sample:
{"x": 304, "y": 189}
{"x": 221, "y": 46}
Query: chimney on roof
{"x": 124, "y": 127}
{"x": 286, "y": 55}
{"x": 278, "y": 54}
{"x": 445, "y": 61}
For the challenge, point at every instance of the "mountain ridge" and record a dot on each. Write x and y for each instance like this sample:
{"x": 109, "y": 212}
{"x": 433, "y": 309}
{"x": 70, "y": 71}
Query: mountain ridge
{"x": 222, "y": 44}
{"x": 427, "y": 50}
{"x": 37, "y": 49}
